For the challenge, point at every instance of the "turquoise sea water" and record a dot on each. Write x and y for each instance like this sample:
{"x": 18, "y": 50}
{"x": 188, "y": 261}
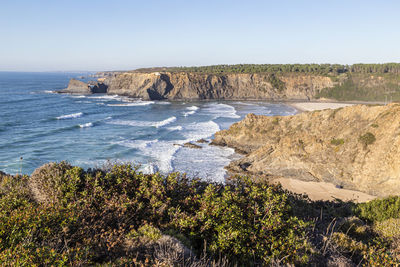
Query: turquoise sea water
{"x": 41, "y": 126}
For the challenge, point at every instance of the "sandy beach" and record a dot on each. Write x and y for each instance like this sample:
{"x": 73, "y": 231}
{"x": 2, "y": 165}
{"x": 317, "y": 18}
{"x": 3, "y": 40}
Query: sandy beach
{"x": 311, "y": 106}
{"x": 323, "y": 190}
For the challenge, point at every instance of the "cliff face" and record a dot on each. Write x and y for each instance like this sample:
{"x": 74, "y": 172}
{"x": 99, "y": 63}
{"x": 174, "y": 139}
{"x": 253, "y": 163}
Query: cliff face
{"x": 185, "y": 85}
{"x": 357, "y": 147}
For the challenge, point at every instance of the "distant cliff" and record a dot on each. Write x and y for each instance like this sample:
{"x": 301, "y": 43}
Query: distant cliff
{"x": 366, "y": 82}
{"x": 357, "y": 147}
{"x": 199, "y": 86}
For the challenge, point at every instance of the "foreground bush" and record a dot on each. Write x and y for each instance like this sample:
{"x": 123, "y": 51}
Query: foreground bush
{"x": 63, "y": 215}
{"x": 380, "y": 209}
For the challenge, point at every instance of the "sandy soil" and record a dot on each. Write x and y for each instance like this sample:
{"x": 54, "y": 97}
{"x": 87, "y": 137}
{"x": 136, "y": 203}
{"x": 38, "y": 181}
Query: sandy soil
{"x": 323, "y": 190}
{"x": 311, "y": 106}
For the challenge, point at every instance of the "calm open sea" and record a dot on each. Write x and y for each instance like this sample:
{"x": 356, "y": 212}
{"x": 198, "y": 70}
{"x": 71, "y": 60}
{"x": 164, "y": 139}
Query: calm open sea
{"x": 87, "y": 131}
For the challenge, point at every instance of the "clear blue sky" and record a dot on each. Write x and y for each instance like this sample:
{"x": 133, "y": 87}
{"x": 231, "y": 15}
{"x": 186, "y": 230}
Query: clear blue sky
{"x": 115, "y": 34}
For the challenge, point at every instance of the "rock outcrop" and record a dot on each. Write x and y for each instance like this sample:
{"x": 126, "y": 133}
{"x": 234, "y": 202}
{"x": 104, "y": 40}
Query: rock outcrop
{"x": 198, "y": 86}
{"x": 79, "y": 87}
{"x": 356, "y": 147}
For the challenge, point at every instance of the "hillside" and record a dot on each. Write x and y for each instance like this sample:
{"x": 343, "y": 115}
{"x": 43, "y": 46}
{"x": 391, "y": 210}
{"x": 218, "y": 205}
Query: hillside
{"x": 356, "y": 147}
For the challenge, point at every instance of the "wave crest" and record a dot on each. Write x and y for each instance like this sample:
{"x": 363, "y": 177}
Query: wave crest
{"x": 70, "y": 116}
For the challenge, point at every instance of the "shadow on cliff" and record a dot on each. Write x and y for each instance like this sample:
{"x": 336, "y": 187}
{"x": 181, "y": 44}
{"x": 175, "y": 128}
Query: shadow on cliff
{"x": 161, "y": 89}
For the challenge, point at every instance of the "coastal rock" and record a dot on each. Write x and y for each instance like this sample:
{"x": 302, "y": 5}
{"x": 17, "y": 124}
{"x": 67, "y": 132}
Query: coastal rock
{"x": 79, "y": 87}
{"x": 357, "y": 147}
{"x": 191, "y": 145}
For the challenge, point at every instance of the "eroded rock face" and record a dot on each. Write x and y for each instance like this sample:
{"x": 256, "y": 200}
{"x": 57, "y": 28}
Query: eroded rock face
{"x": 197, "y": 86}
{"x": 357, "y": 147}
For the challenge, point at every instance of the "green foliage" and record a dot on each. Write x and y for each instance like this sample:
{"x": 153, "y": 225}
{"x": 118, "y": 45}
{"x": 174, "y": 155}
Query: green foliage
{"x": 147, "y": 231}
{"x": 337, "y": 142}
{"x": 322, "y": 69}
{"x": 246, "y": 221}
{"x": 367, "y": 139}
{"x": 379, "y": 209}
{"x": 374, "y": 125}
{"x": 373, "y": 253}
{"x": 89, "y": 216}
{"x": 365, "y": 87}
{"x": 115, "y": 216}
{"x": 276, "y": 82}
{"x": 389, "y": 228}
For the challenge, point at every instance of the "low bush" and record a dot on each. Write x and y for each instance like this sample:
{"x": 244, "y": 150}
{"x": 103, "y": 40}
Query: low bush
{"x": 367, "y": 139}
{"x": 379, "y": 209}
{"x": 64, "y": 215}
{"x": 337, "y": 142}
{"x": 86, "y": 217}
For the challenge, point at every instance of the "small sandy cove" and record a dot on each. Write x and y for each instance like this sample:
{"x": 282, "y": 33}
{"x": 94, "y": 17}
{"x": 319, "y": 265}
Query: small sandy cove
{"x": 322, "y": 190}
{"x": 311, "y": 106}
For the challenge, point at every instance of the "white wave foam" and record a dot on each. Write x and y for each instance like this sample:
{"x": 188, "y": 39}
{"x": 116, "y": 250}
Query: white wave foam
{"x": 163, "y": 103}
{"x": 199, "y": 130}
{"x": 49, "y": 92}
{"x": 85, "y": 125}
{"x": 149, "y": 168}
{"x": 77, "y": 96}
{"x": 175, "y": 128}
{"x": 206, "y": 163}
{"x": 70, "y": 116}
{"x": 105, "y": 97}
{"x": 185, "y": 114}
{"x": 160, "y": 151}
{"x": 132, "y": 104}
{"x": 156, "y": 124}
{"x": 192, "y": 109}
{"x": 138, "y": 144}
{"x": 221, "y": 110}
{"x": 165, "y": 122}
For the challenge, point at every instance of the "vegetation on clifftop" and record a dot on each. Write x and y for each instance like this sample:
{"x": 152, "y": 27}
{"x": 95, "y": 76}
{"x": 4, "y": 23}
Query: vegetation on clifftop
{"x": 322, "y": 69}
{"x": 64, "y": 215}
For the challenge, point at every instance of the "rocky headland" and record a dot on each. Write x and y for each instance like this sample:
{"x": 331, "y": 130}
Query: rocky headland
{"x": 257, "y": 82}
{"x": 355, "y": 147}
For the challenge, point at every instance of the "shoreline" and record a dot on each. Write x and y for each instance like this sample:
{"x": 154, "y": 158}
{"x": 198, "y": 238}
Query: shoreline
{"x": 305, "y": 106}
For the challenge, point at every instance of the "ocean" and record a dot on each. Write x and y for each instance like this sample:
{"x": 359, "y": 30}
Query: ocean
{"x": 38, "y": 126}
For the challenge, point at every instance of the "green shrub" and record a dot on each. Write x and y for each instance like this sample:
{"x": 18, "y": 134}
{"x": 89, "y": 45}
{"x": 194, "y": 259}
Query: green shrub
{"x": 367, "y": 139}
{"x": 102, "y": 216}
{"x": 379, "y": 209}
{"x": 389, "y": 228}
{"x": 246, "y": 221}
{"x": 276, "y": 83}
{"x": 147, "y": 231}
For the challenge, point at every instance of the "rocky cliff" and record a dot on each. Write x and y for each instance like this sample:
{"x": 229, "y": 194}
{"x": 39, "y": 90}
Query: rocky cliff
{"x": 199, "y": 86}
{"x": 356, "y": 147}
